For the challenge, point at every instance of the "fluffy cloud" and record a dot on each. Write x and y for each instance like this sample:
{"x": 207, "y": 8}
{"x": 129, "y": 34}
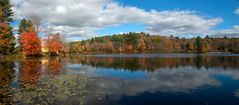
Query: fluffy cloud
{"x": 233, "y": 32}
{"x": 181, "y": 22}
{"x": 84, "y": 17}
{"x": 237, "y": 11}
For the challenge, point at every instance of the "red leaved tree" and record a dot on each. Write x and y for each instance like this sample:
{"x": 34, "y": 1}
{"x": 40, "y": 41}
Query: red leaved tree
{"x": 55, "y": 43}
{"x": 31, "y": 44}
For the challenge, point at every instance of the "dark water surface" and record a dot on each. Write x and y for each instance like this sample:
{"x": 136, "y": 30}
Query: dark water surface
{"x": 140, "y": 79}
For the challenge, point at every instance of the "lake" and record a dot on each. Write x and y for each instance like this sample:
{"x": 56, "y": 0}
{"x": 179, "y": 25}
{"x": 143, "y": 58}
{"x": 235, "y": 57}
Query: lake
{"x": 122, "y": 79}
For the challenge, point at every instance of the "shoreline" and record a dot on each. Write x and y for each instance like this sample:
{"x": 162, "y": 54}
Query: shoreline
{"x": 22, "y": 57}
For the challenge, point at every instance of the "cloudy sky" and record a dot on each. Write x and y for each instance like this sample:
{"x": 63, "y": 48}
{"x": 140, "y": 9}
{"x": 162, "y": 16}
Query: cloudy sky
{"x": 82, "y": 19}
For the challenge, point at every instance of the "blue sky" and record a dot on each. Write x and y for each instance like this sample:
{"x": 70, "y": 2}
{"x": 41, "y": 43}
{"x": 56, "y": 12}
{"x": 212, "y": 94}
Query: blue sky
{"x": 80, "y": 19}
{"x": 209, "y": 8}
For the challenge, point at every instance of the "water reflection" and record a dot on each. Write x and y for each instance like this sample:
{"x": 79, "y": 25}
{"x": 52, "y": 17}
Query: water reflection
{"x": 120, "y": 77}
{"x": 51, "y": 66}
{"x": 150, "y": 64}
{"x": 29, "y": 71}
{"x": 113, "y": 79}
{"x": 6, "y": 72}
{"x": 6, "y": 77}
{"x": 39, "y": 82}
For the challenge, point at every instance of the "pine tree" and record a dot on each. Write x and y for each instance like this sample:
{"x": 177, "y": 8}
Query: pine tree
{"x": 6, "y": 35}
{"x": 7, "y": 12}
{"x": 198, "y": 45}
{"x": 25, "y": 26}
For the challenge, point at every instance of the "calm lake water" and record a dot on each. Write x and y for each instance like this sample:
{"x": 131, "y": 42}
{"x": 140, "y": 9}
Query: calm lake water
{"x": 141, "y": 79}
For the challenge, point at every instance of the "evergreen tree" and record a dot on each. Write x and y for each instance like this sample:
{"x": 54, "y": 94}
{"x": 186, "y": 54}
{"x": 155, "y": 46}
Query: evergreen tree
{"x": 25, "y": 26}
{"x": 7, "y": 12}
{"x": 6, "y": 35}
{"x": 198, "y": 44}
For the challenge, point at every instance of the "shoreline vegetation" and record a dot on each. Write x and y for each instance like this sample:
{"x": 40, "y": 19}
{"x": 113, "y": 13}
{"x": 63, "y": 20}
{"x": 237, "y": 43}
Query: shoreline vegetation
{"x": 29, "y": 44}
{"x": 134, "y": 43}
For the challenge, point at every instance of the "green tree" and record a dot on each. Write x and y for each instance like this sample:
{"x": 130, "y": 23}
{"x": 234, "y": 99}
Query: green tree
{"x": 7, "y": 12}
{"x": 131, "y": 41}
{"x": 6, "y": 35}
{"x": 198, "y": 44}
{"x": 131, "y": 38}
{"x": 206, "y": 37}
{"x": 24, "y": 26}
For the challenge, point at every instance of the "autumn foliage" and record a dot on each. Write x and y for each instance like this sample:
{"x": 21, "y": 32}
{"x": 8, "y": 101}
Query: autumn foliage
{"x": 6, "y": 36}
{"x": 6, "y": 39}
{"x": 31, "y": 44}
{"x": 142, "y": 42}
{"x": 55, "y": 43}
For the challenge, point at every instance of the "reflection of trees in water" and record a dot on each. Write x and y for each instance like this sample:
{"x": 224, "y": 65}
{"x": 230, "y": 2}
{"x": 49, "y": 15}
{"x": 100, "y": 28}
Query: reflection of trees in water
{"x": 40, "y": 83}
{"x": 151, "y": 64}
{"x": 6, "y": 77}
{"x": 198, "y": 62}
{"x": 30, "y": 71}
{"x": 54, "y": 89}
{"x": 236, "y": 93}
{"x": 52, "y": 65}
{"x": 6, "y": 72}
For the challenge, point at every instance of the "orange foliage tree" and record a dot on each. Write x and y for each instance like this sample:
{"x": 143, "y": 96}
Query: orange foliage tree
{"x": 31, "y": 44}
{"x": 55, "y": 43}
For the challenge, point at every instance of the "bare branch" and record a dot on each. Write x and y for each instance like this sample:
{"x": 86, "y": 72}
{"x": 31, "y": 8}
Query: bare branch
{"x": 36, "y": 20}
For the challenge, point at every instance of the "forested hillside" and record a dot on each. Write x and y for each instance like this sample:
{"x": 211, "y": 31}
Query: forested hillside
{"x": 142, "y": 42}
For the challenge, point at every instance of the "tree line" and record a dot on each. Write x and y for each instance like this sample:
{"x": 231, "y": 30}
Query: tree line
{"x": 144, "y": 43}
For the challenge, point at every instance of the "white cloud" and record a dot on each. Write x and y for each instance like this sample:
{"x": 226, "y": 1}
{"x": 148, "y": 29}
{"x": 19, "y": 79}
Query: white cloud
{"x": 84, "y": 17}
{"x": 237, "y": 11}
{"x": 61, "y": 9}
{"x": 182, "y": 22}
{"x": 233, "y": 32}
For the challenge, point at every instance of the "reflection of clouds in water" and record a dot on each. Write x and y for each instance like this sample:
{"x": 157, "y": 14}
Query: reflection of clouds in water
{"x": 231, "y": 72}
{"x": 164, "y": 80}
{"x": 180, "y": 79}
{"x": 234, "y": 74}
{"x": 80, "y": 69}
{"x": 236, "y": 93}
